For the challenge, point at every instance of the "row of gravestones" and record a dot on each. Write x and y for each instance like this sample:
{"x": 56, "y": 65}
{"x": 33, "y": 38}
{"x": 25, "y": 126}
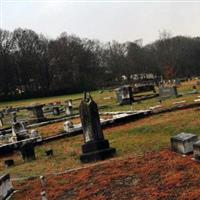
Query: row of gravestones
{"x": 95, "y": 147}
{"x": 185, "y": 143}
{"x": 37, "y": 114}
{"x": 28, "y": 154}
{"x": 125, "y": 94}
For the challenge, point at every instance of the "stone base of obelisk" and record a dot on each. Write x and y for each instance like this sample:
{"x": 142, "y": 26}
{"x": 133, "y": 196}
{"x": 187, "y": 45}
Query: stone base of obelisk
{"x": 96, "y": 150}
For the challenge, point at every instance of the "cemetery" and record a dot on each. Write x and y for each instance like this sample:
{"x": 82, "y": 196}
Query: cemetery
{"x": 103, "y": 145}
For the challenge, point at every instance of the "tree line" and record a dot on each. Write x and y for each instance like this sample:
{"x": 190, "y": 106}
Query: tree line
{"x": 32, "y": 65}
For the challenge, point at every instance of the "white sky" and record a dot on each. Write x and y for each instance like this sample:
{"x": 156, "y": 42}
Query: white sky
{"x": 106, "y": 21}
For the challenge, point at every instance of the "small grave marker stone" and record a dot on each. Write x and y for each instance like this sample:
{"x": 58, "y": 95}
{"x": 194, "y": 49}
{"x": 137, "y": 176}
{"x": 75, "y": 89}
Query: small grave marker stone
{"x": 124, "y": 95}
{"x": 14, "y": 117}
{"x": 37, "y": 114}
{"x": 167, "y": 92}
{"x": 68, "y": 125}
{"x": 56, "y": 110}
{"x": 183, "y": 143}
{"x": 19, "y": 132}
{"x": 69, "y": 108}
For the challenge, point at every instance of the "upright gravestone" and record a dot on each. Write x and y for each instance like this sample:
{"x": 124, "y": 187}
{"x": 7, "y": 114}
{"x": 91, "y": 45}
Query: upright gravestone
{"x": 167, "y": 92}
{"x": 56, "y": 110}
{"x": 14, "y": 116}
{"x": 124, "y": 95}
{"x": 28, "y": 151}
{"x": 69, "y": 108}
{"x": 37, "y": 114}
{"x": 19, "y": 132}
{"x": 95, "y": 147}
{"x": 6, "y": 188}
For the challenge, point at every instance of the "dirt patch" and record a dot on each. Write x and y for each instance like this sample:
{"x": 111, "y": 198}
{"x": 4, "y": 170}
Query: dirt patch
{"x": 161, "y": 175}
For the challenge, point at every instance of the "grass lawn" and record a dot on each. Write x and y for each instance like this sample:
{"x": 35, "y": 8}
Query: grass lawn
{"x": 136, "y": 138}
{"x": 144, "y": 167}
{"x": 141, "y": 145}
{"x": 100, "y": 98}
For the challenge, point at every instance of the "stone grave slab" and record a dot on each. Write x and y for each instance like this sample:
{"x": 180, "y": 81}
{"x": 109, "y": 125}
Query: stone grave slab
{"x": 183, "y": 142}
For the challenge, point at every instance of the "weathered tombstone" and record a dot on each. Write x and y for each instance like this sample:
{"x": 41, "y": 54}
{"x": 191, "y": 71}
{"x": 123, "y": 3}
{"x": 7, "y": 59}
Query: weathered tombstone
{"x": 124, "y": 95}
{"x": 167, "y": 92}
{"x": 68, "y": 125}
{"x": 196, "y": 150}
{"x": 95, "y": 147}
{"x": 34, "y": 133}
{"x": 37, "y": 114}
{"x": 6, "y": 188}
{"x": 14, "y": 117}
{"x": 28, "y": 151}
{"x": 69, "y": 108}
{"x": 56, "y": 110}
{"x": 9, "y": 163}
{"x": 19, "y": 132}
{"x": 183, "y": 143}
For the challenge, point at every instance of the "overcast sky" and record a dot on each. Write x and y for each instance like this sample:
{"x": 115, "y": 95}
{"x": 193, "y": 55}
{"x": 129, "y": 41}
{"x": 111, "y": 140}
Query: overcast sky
{"x": 106, "y": 21}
